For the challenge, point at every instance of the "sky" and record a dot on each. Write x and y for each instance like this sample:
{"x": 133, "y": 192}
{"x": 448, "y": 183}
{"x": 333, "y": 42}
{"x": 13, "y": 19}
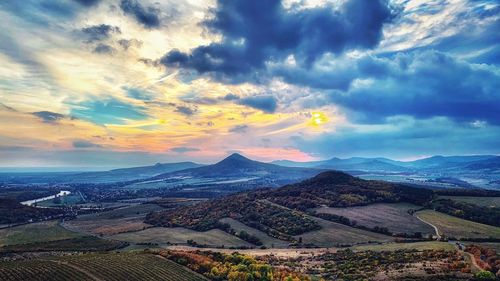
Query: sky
{"x": 118, "y": 83}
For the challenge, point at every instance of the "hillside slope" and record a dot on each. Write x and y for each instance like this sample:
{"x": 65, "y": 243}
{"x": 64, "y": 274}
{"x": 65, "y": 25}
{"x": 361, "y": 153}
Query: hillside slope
{"x": 278, "y": 212}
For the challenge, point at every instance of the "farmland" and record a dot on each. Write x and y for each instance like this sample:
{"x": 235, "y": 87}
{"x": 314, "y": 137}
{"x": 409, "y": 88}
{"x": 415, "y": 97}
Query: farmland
{"x": 266, "y": 240}
{"x": 334, "y": 234}
{"x": 123, "y": 266}
{"x": 394, "y": 217}
{"x": 458, "y": 228}
{"x": 180, "y": 235}
{"x": 35, "y": 232}
{"x": 112, "y": 222}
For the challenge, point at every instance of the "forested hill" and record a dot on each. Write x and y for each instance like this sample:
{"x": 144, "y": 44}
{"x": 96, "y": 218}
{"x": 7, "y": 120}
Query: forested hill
{"x": 275, "y": 210}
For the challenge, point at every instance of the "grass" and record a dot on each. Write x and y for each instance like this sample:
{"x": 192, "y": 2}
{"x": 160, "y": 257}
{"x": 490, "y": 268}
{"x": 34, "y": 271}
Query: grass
{"x": 35, "y": 232}
{"x": 393, "y": 216}
{"x": 459, "y": 228}
{"x": 334, "y": 234}
{"x": 109, "y": 266}
{"x": 180, "y": 235}
{"x": 480, "y": 201}
{"x": 85, "y": 243}
{"x": 267, "y": 240}
{"x": 126, "y": 219}
{"x": 420, "y": 246}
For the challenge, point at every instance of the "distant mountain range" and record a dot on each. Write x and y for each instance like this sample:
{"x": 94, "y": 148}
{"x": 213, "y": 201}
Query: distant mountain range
{"x": 438, "y": 171}
{"x": 388, "y": 165}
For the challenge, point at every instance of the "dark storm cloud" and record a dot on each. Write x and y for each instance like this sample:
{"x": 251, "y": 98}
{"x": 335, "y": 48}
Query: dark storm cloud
{"x": 425, "y": 84}
{"x": 48, "y": 116}
{"x": 148, "y": 16}
{"x": 254, "y": 32}
{"x": 266, "y": 103}
{"x": 100, "y": 32}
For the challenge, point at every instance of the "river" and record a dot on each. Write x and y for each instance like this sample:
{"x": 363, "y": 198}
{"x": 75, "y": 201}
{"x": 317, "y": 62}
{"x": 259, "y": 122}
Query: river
{"x": 33, "y": 201}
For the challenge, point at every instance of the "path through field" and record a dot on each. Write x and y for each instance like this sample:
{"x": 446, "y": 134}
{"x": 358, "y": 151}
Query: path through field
{"x": 438, "y": 236}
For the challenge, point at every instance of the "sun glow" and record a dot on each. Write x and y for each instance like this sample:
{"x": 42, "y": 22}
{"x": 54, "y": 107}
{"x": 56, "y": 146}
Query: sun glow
{"x": 318, "y": 119}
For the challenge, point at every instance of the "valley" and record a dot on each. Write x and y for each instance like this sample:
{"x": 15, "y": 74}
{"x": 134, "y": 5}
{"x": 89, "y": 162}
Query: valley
{"x": 309, "y": 228}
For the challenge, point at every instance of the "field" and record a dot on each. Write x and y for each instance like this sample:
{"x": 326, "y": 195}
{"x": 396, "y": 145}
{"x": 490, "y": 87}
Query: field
{"x": 112, "y": 222}
{"x": 458, "y": 228}
{"x": 480, "y": 201}
{"x": 84, "y": 243}
{"x": 419, "y": 246}
{"x": 334, "y": 234}
{"x": 123, "y": 266}
{"x": 180, "y": 235}
{"x": 393, "y": 216}
{"x": 35, "y": 232}
{"x": 267, "y": 240}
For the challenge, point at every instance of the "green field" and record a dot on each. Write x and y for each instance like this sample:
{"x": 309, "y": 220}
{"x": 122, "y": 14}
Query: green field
{"x": 420, "y": 246}
{"x": 35, "y": 232}
{"x": 123, "y": 266}
{"x": 334, "y": 234}
{"x": 480, "y": 201}
{"x": 267, "y": 240}
{"x": 179, "y": 235}
{"x": 459, "y": 228}
{"x": 393, "y": 216}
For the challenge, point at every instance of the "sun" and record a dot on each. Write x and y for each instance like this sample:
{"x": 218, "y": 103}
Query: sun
{"x": 318, "y": 119}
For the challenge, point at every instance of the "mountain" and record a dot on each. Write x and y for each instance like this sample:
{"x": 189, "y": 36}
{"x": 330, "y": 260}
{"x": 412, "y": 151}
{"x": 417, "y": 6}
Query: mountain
{"x": 492, "y": 164}
{"x": 445, "y": 161}
{"x": 349, "y": 164}
{"x": 126, "y": 174}
{"x": 237, "y": 166}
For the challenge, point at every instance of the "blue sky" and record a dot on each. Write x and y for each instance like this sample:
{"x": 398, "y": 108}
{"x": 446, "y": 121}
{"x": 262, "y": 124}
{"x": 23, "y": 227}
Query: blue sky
{"x": 132, "y": 82}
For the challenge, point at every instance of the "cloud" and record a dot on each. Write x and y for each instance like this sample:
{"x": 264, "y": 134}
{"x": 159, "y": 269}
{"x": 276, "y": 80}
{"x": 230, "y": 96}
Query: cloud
{"x": 425, "y": 84}
{"x": 108, "y": 111}
{"x": 402, "y": 137}
{"x": 127, "y": 43}
{"x": 87, "y": 3}
{"x": 139, "y": 94}
{"x": 149, "y": 16}
{"x": 48, "y": 116}
{"x": 231, "y": 96}
{"x": 84, "y": 144}
{"x": 239, "y": 129}
{"x": 183, "y": 149}
{"x": 100, "y": 32}
{"x": 185, "y": 110}
{"x": 266, "y": 103}
{"x": 104, "y": 49}
{"x": 254, "y": 32}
